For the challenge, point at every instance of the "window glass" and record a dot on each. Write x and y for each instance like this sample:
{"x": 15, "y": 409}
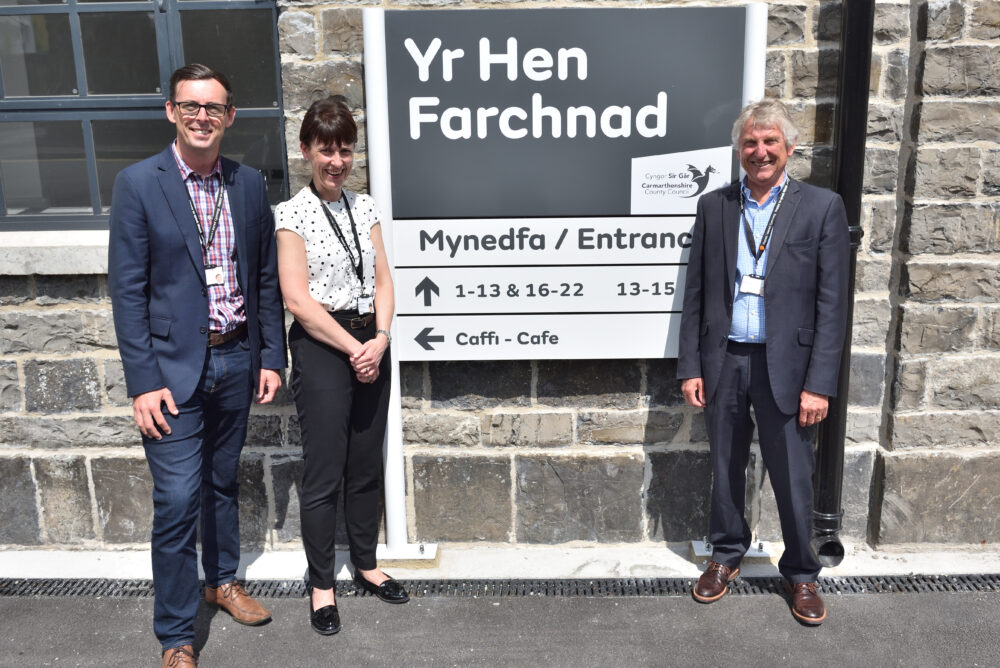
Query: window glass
{"x": 240, "y": 44}
{"x": 119, "y": 53}
{"x": 42, "y": 167}
{"x": 119, "y": 143}
{"x": 36, "y": 55}
{"x": 256, "y": 142}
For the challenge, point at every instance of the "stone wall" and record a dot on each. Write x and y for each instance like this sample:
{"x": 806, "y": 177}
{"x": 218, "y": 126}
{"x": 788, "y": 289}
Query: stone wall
{"x": 601, "y": 451}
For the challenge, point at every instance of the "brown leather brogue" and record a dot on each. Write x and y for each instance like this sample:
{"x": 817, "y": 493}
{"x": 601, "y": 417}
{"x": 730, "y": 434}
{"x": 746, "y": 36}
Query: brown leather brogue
{"x": 232, "y": 598}
{"x": 807, "y": 604}
{"x": 180, "y": 657}
{"x": 714, "y": 582}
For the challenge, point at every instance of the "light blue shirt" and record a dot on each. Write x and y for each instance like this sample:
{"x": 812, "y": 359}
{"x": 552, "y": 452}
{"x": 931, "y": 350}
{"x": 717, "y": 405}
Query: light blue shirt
{"x": 748, "y": 310}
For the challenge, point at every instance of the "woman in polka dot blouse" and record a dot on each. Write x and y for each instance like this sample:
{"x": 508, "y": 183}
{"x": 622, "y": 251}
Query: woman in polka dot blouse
{"x": 335, "y": 280}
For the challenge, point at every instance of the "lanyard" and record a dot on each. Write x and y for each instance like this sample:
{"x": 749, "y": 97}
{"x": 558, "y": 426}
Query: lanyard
{"x": 758, "y": 250}
{"x": 340, "y": 235}
{"x": 205, "y": 243}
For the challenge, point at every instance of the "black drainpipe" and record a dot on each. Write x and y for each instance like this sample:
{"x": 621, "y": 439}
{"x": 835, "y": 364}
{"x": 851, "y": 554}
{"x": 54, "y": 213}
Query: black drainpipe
{"x": 856, "y": 31}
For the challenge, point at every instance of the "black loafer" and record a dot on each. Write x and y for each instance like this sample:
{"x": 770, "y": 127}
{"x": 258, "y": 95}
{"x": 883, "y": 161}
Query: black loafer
{"x": 326, "y": 620}
{"x": 389, "y": 591}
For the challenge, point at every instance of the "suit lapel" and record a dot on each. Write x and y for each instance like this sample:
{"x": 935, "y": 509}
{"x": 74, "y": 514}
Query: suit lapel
{"x": 731, "y": 236}
{"x": 783, "y": 222}
{"x": 176, "y": 195}
{"x": 237, "y": 201}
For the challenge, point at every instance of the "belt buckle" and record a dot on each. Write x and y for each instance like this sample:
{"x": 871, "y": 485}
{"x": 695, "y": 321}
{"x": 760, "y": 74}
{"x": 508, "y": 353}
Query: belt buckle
{"x": 358, "y": 323}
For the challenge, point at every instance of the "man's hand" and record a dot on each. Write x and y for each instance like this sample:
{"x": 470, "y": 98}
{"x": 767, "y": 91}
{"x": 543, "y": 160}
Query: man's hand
{"x": 694, "y": 391}
{"x": 812, "y": 408}
{"x": 267, "y": 386}
{"x": 147, "y": 413}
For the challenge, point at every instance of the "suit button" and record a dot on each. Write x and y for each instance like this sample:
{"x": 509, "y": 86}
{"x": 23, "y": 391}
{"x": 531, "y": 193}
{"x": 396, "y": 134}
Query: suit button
{"x": 204, "y": 292}
{"x": 203, "y": 330}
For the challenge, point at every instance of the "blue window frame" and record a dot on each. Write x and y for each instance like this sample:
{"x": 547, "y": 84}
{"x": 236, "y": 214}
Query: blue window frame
{"x": 82, "y": 92}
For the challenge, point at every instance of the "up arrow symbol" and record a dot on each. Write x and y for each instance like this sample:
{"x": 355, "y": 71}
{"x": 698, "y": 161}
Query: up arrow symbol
{"x": 427, "y": 286}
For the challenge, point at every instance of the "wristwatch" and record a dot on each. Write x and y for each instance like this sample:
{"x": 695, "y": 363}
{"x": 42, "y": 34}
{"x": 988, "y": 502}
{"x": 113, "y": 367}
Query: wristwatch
{"x": 382, "y": 331}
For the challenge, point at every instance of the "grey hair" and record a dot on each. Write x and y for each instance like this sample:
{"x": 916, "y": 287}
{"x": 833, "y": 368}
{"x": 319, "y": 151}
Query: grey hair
{"x": 767, "y": 113}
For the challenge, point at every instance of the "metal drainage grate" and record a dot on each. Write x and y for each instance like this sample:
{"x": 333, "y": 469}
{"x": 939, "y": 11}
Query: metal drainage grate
{"x": 595, "y": 588}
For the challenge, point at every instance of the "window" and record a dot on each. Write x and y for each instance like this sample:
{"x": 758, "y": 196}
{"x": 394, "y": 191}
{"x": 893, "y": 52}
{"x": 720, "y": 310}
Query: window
{"x": 82, "y": 89}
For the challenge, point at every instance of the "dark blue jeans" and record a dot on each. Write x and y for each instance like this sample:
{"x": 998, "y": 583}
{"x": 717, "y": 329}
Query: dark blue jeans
{"x": 195, "y": 468}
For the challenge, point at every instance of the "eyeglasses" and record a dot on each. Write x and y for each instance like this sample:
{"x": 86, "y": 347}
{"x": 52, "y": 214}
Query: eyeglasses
{"x": 213, "y": 109}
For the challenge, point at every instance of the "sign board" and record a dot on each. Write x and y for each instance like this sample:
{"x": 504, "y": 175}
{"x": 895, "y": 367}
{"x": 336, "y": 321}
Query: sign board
{"x": 539, "y": 170}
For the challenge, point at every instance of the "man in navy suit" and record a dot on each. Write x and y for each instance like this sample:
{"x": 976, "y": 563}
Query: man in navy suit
{"x": 192, "y": 273}
{"x": 763, "y": 325}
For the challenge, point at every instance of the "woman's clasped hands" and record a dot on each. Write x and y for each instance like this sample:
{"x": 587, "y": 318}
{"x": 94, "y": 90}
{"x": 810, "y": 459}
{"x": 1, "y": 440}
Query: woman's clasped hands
{"x": 367, "y": 359}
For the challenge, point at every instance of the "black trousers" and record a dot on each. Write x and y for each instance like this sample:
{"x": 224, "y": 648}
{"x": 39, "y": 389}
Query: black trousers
{"x": 343, "y": 425}
{"x": 787, "y": 450}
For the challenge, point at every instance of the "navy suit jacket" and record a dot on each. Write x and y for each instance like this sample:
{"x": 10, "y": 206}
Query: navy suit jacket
{"x": 156, "y": 275}
{"x": 805, "y": 291}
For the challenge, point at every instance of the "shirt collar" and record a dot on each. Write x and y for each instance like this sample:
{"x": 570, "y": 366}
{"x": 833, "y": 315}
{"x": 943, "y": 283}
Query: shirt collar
{"x": 186, "y": 171}
{"x": 770, "y": 196}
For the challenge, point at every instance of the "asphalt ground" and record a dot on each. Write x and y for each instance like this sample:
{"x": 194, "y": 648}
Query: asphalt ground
{"x": 864, "y": 629}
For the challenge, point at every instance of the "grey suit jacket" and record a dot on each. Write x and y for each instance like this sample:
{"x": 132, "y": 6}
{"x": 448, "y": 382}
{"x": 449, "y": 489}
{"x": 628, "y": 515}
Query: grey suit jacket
{"x": 805, "y": 291}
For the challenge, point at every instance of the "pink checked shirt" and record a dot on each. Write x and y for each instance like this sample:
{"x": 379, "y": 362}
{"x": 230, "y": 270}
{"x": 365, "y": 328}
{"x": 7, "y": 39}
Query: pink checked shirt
{"x": 225, "y": 301}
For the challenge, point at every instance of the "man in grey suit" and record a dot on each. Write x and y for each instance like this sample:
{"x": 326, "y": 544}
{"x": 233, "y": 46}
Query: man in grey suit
{"x": 765, "y": 310}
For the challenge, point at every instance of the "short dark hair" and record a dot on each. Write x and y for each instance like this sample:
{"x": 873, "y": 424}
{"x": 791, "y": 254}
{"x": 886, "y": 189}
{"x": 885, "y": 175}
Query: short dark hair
{"x": 329, "y": 121}
{"x": 198, "y": 72}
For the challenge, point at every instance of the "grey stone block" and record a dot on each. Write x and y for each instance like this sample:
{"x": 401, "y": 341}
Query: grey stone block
{"x": 479, "y": 385}
{"x": 863, "y": 426}
{"x": 18, "y": 512}
{"x": 57, "y": 386}
{"x": 940, "y": 499}
{"x": 286, "y": 481}
{"x": 123, "y": 489}
{"x": 90, "y": 431}
{"x": 293, "y": 433}
{"x": 813, "y": 73}
{"x": 297, "y": 33}
{"x": 933, "y": 329}
{"x": 699, "y": 430}
{"x": 990, "y": 328}
{"x": 775, "y": 74}
{"x": 462, "y": 498}
{"x": 785, "y": 24}
{"x": 263, "y": 431}
{"x": 527, "y": 429}
{"x": 15, "y": 290}
{"x": 114, "y": 383}
{"x": 991, "y": 172}
{"x": 959, "y": 121}
{"x": 827, "y": 26}
{"x": 885, "y": 122}
{"x": 985, "y": 20}
{"x": 945, "y": 430}
{"x": 814, "y": 165}
{"x": 911, "y": 379}
{"x": 65, "y": 495}
{"x": 872, "y": 274}
{"x": 959, "y": 71}
{"x": 55, "y": 331}
{"x": 343, "y": 32}
{"x": 662, "y": 386}
{"x": 561, "y": 499}
{"x": 813, "y": 121}
{"x": 966, "y": 383}
{"x": 632, "y": 427}
{"x": 10, "y": 386}
{"x": 947, "y": 173}
{"x": 892, "y": 23}
{"x": 961, "y": 281}
{"x": 440, "y": 429}
{"x": 896, "y": 80}
{"x": 881, "y": 169}
{"x": 867, "y": 379}
{"x": 679, "y": 497}
{"x": 253, "y": 502}
{"x": 945, "y": 20}
{"x": 304, "y": 83}
{"x": 954, "y": 228}
{"x": 411, "y": 384}
{"x": 589, "y": 383}
{"x": 871, "y": 322}
{"x": 50, "y": 289}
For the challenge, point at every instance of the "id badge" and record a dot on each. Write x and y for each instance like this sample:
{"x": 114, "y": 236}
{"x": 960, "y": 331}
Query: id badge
{"x": 366, "y": 304}
{"x": 752, "y": 285}
{"x": 213, "y": 276}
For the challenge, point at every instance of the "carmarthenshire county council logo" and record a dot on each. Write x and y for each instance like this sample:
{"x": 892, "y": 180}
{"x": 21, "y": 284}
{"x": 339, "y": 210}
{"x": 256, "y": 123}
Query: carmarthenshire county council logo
{"x": 700, "y": 178}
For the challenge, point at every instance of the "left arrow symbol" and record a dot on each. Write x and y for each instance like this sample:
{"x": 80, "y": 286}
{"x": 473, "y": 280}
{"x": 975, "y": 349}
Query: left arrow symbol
{"x": 426, "y": 286}
{"x": 425, "y": 339}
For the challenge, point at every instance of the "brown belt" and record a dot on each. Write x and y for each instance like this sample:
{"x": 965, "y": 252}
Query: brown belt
{"x": 351, "y": 320}
{"x": 217, "y": 339}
